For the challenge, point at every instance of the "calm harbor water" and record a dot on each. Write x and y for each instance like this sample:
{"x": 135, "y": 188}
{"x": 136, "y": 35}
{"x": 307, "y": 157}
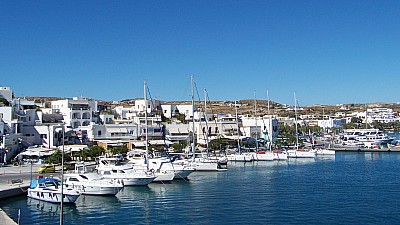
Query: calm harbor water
{"x": 349, "y": 188}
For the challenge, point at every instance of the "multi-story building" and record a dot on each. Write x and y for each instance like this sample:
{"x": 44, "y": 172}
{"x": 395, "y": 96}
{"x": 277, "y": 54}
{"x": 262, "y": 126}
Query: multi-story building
{"x": 261, "y": 127}
{"x": 381, "y": 115}
{"x": 76, "y": 112}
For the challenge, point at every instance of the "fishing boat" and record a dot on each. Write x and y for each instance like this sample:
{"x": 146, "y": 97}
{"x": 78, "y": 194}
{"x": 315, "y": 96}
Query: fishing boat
{"x": 49, "y": 190}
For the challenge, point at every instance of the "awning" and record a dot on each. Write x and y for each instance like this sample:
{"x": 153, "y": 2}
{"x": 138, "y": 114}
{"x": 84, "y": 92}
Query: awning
{"x": 160, "y": 142}
{"x": 117, "y": 130}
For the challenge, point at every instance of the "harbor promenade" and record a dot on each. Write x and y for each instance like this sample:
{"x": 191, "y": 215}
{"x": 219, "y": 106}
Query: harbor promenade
{"x": 14, "y": 180}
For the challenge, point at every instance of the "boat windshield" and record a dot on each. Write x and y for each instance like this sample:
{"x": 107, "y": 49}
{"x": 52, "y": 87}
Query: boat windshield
{"x": 84, "y": 177}
{"x": 52, "y": 183}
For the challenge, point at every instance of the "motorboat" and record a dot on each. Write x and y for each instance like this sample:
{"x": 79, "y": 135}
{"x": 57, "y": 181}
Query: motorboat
{"x": 93, "y": 184}
{"x": 49, "y": 190}
{"x": 162, "y": 166}
{"x": 110, "y": 168}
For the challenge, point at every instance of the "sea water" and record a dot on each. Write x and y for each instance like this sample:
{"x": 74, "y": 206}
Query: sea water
{"x": 349, "y": 188}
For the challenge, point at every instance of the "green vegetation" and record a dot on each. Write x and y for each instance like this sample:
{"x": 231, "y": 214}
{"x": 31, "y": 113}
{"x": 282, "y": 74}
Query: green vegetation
{"x": 119, "y": 150}
{"x": 56, "y": 157}
{"x": 179, "y": 146}
{"x": 4, "y": 102}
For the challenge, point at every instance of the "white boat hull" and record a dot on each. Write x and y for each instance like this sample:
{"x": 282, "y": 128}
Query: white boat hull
{"x": 267, "y": 156}
{"x": 325, "y": 152}
{"x": 239, "y": 158}
{"x": 97, "y": 190}
{"x": 182, "y": 174}
{"x": 300, "y": 154}
{"x": 280, "y": 156}
{"x": 137, "y": 181}
{"x": 164, "y": 177}
{"x": 53, "y": 196}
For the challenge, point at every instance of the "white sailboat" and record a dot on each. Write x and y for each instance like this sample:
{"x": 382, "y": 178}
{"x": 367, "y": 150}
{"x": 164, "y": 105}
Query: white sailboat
{"x": 203, "y": 163}
{"x": 297, "y": 153}
{"x": 259, "y": 155}
{"x": 161, "y": 175}
{"x": 323, "y": 151}
{"x": 238, "y": 156}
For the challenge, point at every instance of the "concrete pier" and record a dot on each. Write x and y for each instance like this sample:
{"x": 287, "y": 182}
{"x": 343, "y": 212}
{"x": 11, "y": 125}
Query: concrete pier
{"x": 5, "y": 219}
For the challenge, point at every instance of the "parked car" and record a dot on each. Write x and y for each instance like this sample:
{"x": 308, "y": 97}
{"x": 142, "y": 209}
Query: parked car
{"x": 48, "y": 168}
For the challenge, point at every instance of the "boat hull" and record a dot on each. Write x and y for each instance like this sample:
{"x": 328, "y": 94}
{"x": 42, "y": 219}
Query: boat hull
{"x": 53, "y": 197}
{"x": 300, "y": 154}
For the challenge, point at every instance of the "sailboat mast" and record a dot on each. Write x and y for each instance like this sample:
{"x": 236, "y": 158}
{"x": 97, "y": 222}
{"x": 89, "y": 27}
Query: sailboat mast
{"x": 237, "y": 125}
{"x": 193, "y": 136}
{"x": 255, "y": 117}
{"x": 323, "y": 119}
{"x": 295, "y": 119}
{"x": 205, "y": 117}
{"x": 269, "y": 125}
{"x": 146, "y": 125}
{"x": 268, "y": 101}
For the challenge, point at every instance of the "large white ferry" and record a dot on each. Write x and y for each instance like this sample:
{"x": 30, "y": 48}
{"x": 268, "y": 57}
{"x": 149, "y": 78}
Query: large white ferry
{"x": 364, "y": 137}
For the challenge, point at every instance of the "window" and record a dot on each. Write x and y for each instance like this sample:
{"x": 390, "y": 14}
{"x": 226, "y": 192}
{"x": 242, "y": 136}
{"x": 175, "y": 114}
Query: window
{"x": 99, "y": 133}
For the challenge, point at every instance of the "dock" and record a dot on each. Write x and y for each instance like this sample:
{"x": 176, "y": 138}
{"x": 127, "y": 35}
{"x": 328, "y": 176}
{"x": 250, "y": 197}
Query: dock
{"x": 355, "y": 149}
{"x": 14, "y": 181}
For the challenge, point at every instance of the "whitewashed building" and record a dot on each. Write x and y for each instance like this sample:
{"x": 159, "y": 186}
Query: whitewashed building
{"x": 264, "y": 127}
{"x": 6, "y": 93}
{"x": 381, "y": 115}
{"x": 76, "y": 112}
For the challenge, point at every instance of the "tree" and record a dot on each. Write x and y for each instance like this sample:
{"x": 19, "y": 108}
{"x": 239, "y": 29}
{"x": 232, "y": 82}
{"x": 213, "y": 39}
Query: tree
{"x": 4, "y": 101}
{"x": 119, "y": 150}
{"x": 56, "y": 157}
{"x": 356, "y": 120}
{"x": 96, "y": 151}
{"x": 181, "y": 117}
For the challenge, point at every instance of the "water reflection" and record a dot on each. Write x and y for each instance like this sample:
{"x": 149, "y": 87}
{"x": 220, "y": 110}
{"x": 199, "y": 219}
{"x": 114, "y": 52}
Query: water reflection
{"x": 52, "y": 209}
{"x": 90, "y": 204}
{"x": 301, "y": 161}
{"x": 356, "y": 156}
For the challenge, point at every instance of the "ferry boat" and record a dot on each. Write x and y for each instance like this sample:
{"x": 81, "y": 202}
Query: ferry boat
{"x": 49, "y": 190}
{"x": 364, "y": 137}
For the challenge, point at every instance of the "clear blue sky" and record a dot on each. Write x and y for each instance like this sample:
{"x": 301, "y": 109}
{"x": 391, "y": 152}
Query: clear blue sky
{"x": 328, "y": 52}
